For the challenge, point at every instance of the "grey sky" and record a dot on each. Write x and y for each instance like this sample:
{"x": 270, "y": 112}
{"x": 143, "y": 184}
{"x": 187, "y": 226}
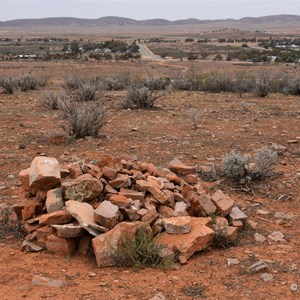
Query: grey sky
{"x": 143, "y": 9}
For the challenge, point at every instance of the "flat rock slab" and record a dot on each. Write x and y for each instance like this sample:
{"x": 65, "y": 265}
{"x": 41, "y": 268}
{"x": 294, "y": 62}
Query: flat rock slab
{"x": 277, "y": 236}
{"x": 180, "y": 168}
{"x": 177, "y": 225}
{"x": 68, "y": 230}
{"x": 28, "y": 246}
{"x": 56, "y": 217}
{"x": 134, "y": 195}
{"x": 187, "y": 244}
{"x": 120, "y": 201}
{"x": 84, "y": 214}
{"x": 237, "y": 214}
{"x": 46, "y": 281}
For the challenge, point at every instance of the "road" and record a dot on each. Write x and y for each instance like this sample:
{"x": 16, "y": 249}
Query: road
{"x": 147, "y": 53}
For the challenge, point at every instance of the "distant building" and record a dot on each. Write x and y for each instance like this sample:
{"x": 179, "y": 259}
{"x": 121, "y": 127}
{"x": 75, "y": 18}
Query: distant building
{"x": 32, "y": 56}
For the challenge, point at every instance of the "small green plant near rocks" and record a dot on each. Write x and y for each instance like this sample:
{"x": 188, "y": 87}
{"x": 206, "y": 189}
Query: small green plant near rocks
{"x": 234, "y": 165}
{"x": 143, "y": 252}
{"x": 84, "y": 119}
{"x": 222, "y": 240}
{"x": 9, "y": 223}
{"x": 194, "y": 291}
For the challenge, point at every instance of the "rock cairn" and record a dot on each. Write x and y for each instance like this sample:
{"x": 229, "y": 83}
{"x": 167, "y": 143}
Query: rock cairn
{"x": 94, "y": 206}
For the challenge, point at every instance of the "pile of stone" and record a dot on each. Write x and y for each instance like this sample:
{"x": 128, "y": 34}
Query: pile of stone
{"x": 95, "y": 206}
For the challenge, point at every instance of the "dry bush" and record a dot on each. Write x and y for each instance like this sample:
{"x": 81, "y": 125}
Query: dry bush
{"x": 115, "y": 83}
{"x": 140, "y": 97}
{"x": 73, "y": 82}
{"x": 51, "y": 99}
{"x": 265, "y": 159}
{"x": 27, "y": 82}
{"x": 243, "y": 83}
{"x": 263, "y": 85}
{"x": 292, "y": 87}
{"x": 234, "y": 165}
{"x": 196, "y": 116}
{"x": 216, "y": 82}
{"x": 8, "y": 84}
{"x": 157, "y": 84}
{"x": 24, "y": 83}
{"x": 87, "y": 91}
{"x": 84, "y": 118}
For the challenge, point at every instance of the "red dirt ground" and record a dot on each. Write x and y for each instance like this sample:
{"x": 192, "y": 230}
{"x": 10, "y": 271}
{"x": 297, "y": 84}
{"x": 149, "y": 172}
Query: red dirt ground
{"x": 230, "y": 122}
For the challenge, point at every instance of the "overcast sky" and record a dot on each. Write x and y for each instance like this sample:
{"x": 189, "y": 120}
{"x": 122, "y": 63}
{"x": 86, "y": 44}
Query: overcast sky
{"x": 145, "y": 9}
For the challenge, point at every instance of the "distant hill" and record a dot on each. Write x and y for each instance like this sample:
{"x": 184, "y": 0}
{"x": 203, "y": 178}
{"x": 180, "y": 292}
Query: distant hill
{"x": 119, "y": 21}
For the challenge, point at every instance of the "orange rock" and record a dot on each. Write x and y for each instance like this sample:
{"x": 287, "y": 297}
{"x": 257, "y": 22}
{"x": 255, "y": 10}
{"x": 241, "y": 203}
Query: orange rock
{"x": 191, "y": 178}
{"x": 166, "y": 211}
{"x": 187, "y": 244}
{"x": 201, "y": 204}
{"x": 180, "y": 168}
{"x": 84, "y": 244}
{"x": 27, "y": 209}
{"x": 109, "y": 173}
{"x": 120, "y": 181}
{"x": 107, "y": 214}
{"x": 92, "y": 169}
{"x": 120, "y": 200}
{"x": 105, "y": 244}
{"x": 56, "y": 217}
{"x": 223, "y": 203}
{"x": 44, "y": 173}
{"x": 177, "y": 225}
{"x": 159, "y": 195}
{"x": 134, "y": 195}
{"x": 54, "y": 200}
{"x": 60, "y": 245}
{"x": 24, "y": 178}
{"x": 84, "y": 214}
